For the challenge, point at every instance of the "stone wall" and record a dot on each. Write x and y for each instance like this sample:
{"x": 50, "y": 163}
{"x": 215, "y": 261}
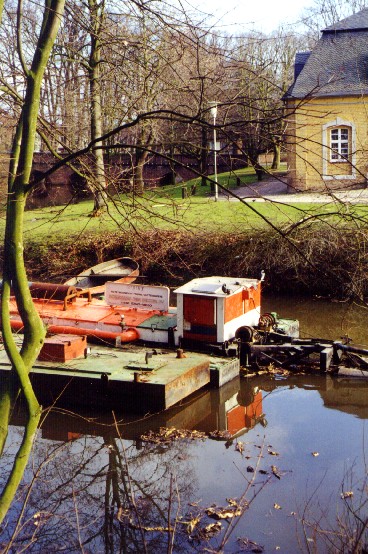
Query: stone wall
{"x": 310, "y": 162}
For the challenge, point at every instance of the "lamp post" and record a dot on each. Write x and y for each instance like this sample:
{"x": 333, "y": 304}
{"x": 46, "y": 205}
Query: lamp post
{"x": 213, "y": 111}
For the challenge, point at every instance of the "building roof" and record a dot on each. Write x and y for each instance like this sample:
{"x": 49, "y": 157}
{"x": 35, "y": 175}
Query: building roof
{"x": 355, "y": 22}
{"x": 300, "y": 61}
{"x": 338, "y": 65}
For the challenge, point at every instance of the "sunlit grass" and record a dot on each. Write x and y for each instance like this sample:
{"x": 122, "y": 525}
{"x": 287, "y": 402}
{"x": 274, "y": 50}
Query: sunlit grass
{"x": 194, "y": 214}
{"x": 166, "y": 208}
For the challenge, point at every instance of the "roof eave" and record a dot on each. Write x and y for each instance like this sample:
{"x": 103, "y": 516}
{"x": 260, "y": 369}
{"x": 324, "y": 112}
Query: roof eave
{"x": 341, "y": 94}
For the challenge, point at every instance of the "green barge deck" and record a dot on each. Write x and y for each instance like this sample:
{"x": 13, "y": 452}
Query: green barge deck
{"x": 138, "y": 378}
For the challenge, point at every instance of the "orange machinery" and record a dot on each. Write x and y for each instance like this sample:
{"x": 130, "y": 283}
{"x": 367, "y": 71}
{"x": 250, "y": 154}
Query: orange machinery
{"x": 209, "y": 310}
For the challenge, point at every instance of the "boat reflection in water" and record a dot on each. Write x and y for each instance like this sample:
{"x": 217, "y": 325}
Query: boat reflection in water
{"x": 115, "y": 481}
{"x": 233, "y": 409}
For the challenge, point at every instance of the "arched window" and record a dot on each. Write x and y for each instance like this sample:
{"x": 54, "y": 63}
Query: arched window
{"x": 338, "y": 150}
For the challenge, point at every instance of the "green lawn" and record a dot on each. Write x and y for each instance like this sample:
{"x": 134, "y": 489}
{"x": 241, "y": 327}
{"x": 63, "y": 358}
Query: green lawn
{"x": 165, "y": 208}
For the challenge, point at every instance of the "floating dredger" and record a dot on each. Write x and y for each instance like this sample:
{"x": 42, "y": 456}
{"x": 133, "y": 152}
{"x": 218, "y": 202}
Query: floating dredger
{"x": 152, "y": 355}
{"x": 209, "y": 311}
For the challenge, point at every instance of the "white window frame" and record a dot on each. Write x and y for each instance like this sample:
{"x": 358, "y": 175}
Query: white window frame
{"x": 327, "y": 151}
{"x": 339, "y": 144}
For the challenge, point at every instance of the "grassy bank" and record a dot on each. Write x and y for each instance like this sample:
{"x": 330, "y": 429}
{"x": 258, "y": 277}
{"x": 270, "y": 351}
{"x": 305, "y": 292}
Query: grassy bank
{"x": 193, "y": 214}
{"x": 304, "y": 248}
{"x": 160, "y": 209}
{"x": 320, "y": 262}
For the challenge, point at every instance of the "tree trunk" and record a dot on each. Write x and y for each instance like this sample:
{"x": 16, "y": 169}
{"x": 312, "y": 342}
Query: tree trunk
{"x": 20, "y": 463}
{"x": 98, "y": 184}
{"x": 14, "y": 271}
{"x": 144, "y": 142}
{"x": 253, "y": 159}
{"x": 276, "y": 155}
{"x": 259, "y": 172}
{"x": 172, "y": 166}
{"x": 138, "y": 181}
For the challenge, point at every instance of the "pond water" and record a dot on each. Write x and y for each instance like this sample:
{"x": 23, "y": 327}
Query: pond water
{"x": 322, "y": 318}
{"x": 294, "y": 448}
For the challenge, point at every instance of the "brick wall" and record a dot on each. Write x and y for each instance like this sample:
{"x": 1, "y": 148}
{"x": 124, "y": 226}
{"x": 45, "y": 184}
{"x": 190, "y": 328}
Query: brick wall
{"x": 64, "y": 186}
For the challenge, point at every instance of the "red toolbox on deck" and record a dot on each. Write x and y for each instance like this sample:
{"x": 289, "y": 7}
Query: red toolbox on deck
{"x": 61, "y": 348}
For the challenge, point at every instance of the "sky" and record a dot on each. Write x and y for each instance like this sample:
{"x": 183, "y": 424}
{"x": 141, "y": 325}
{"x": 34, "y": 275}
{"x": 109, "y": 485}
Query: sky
{"x": 244, "y": 15}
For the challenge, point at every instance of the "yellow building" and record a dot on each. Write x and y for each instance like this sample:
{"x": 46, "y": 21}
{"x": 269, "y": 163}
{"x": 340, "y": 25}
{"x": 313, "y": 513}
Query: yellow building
{"x": 327, "y": 109}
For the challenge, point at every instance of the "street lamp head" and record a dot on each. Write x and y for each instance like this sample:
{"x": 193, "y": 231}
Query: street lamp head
{"x": 213, "y": 108}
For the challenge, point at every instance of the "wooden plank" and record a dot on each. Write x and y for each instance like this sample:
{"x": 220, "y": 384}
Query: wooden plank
{"x": 288, "y": 347}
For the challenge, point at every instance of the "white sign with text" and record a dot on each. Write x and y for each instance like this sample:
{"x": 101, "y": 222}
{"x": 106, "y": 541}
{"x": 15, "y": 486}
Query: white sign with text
{"x": 141, "y": 297}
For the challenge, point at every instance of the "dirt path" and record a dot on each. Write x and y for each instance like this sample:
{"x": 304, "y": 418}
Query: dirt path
{"x": 276, "y": 190}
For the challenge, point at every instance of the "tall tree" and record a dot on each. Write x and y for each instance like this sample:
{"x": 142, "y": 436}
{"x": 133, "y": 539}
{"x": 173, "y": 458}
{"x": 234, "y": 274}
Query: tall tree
{"x": 323, "y": 13}
{"x": 261, "y": 70}
{"x": 14, "y": 271}
{"x": 97, "y": 19}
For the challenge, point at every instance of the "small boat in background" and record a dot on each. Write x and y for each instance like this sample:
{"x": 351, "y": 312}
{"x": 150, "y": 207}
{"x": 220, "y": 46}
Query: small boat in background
{"x": 121, "y": 270}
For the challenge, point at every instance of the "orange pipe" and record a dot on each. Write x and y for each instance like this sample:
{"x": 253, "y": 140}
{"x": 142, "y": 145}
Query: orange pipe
{"x": 129, "y": 335}
{"x": 16, "y": 325}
